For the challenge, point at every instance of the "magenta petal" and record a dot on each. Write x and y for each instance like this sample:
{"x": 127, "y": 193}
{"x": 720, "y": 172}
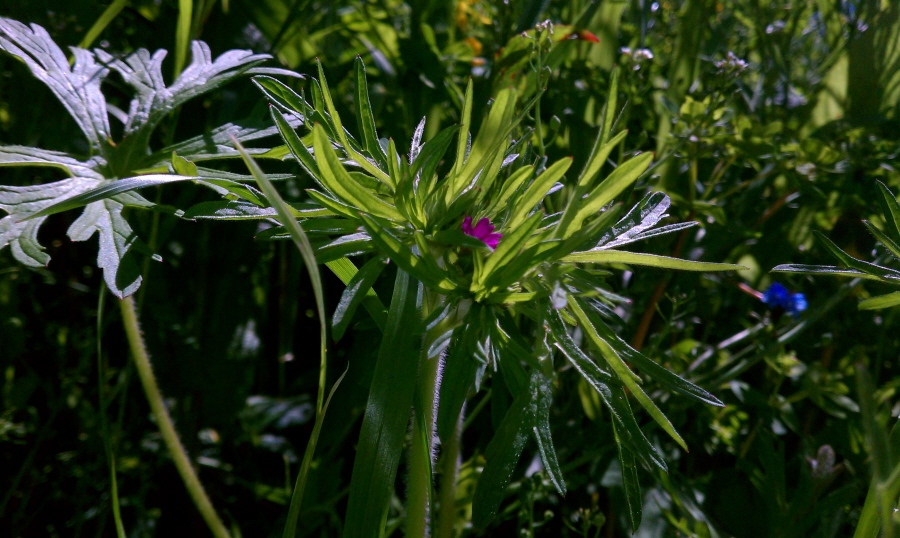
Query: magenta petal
{"x": 467, "y": 226}
{"x": 483, "y": 229}
{"x": 492, "y": 240}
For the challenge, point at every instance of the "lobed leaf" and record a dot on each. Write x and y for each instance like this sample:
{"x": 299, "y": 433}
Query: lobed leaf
{"x": 77, "y": 87}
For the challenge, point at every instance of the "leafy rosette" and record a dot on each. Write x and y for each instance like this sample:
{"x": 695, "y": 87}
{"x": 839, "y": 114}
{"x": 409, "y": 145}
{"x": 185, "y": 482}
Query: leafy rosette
{"x": 494, "y": 270}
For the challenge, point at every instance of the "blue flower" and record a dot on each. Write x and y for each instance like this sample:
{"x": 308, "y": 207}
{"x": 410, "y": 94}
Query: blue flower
{"x": 777, "y": 296}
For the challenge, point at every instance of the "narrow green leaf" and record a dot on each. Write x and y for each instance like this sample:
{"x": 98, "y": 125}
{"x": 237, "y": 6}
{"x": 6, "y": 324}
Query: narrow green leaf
{"x": 853, "y": 263}
{"x": 884, "y": 239}
{"x": 488, "y": 146}
{"x": 536, "y": 192}
{"x": 891, "y": 211}
{"x": 501, "y": 456}
{"x": 344, "y": 246}
{"x": 319, "y": 227}
{"x": 623, "y": 176}
{"x": 295, "y": 145}
{"x": 541, "y": 399}
{"x": 182, "y": 33}
{"x": 387, "y": 415}
{"x": 425, "y": 165}
{"x": 353, "y": 295}
{"x": 881, "y": 301}
{"x": 367, "y": 119}
{"x": 345, "y": 270}
{"x": 599, "y": 155}
{"x": 338, "y": 129}
{"x": 465, "y": 124}
{"x": 633, "y": 497}
{"x": 114, "y": 188}
{"x": 280, "y": 94}
{"x": 610, "y": 109}
{"x": 610, "y": 390}
{"x": 404, "y": 257}
{"x": 229, "y": 210}
{"x": 458, "y": 239}
{"x": 514, "y": 183}
{"x": 622, "y": 371}
{"x": 648, "y": 260}
{"x": 182, "y": 166}
{"x": 822, "y": 270}
{"x": 302, "y": 243}
{"x": 342, "y": 184}
{"x": 651, "y": 367}
{"x": 102, "y": 22}
{"x": 333, "y": 205}
{"x": 457, "y": 379}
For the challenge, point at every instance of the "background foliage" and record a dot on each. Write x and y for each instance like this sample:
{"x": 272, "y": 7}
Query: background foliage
{"x": 775, "y": 119}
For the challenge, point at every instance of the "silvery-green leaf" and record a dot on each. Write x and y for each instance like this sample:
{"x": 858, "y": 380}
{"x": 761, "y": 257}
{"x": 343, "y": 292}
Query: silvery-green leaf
{"x": 116, "y": 239}
{"x": 154, "y": 100}
{"x": 19, "y": 202}
{"x": 217, "y": 144}
{"x": 77, "y": 87}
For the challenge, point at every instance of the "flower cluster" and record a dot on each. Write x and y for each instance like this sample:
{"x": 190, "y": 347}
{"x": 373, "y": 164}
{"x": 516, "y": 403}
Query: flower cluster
{"x": 779, "y": 296}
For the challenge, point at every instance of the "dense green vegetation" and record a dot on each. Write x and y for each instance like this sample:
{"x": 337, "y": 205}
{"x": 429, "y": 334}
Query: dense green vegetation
{"x": 290, "y": 229}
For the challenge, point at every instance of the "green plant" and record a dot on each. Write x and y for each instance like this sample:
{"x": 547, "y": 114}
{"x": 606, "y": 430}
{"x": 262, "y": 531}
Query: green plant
{"x": 78, "y": 88}
{"x": 475, "y": 303}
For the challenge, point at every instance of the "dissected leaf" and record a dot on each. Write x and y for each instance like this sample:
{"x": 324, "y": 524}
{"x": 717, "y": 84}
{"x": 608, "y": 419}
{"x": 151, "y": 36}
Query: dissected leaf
{"x": 77, "y": 87}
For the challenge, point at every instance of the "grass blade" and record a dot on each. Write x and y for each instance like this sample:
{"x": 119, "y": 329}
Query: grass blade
{"x": 183, "y": 34}
{"x": 300, "y": 239}
{"x": 110, "y": 13}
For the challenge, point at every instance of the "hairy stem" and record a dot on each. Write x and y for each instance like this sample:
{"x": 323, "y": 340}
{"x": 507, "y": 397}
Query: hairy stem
{"x": 164, "y": 421}
{"x": 450, "y": 460}
{"x": 421, "y": 457}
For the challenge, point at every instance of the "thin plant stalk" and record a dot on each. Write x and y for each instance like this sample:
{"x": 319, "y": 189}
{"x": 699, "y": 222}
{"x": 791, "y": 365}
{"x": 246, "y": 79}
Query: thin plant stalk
{"x": 450, "y": 461}
{"x": 164, "y": 421}
{"x": 104, "y": 424}
{"x": 421, "y": 457}
{"x": 301, "y": 241}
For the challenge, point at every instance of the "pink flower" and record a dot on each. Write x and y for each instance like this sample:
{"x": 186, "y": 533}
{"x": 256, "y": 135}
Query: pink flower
{"x": 483, "y": 231}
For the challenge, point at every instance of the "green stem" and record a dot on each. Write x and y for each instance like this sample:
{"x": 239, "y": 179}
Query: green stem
{"x": 104, "y": 425}
{"x": 421, "y": 458}
{"x": 164, "y": 421}
{"x": 450, "y": 460}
